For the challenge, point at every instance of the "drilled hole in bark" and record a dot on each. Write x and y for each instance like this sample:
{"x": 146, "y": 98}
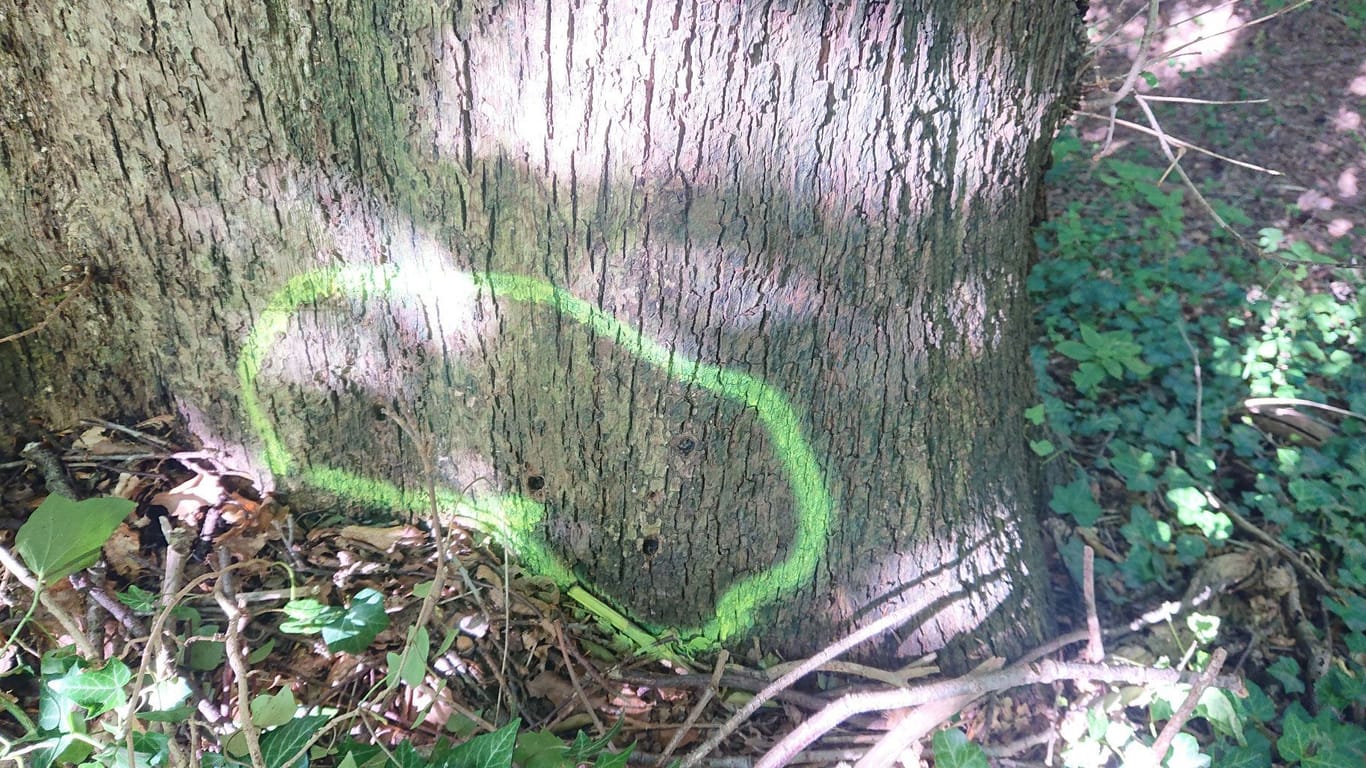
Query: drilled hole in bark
{"x": 649, "y": 545}
{"x": 535, "y": 483}
{"x": 684, "y": 444}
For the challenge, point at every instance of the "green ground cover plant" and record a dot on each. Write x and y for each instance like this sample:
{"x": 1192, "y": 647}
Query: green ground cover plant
{"x": 1192, "y": 393}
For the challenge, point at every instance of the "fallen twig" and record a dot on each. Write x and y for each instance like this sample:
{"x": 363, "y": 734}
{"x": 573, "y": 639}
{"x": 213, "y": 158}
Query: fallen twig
{"x": 701, "y": 704}
{"x": 1187, "y": 708}
{"x": 1016, "y": 675}
{"x": 886, "y": 623}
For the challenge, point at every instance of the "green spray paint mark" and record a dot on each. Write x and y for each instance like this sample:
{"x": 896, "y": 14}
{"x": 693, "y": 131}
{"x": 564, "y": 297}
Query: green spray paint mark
{"x": 512, "y": 518}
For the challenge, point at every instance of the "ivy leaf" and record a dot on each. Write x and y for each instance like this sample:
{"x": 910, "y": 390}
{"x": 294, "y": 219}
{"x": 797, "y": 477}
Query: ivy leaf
{"x": 952, "y": 749}
{"x": 354, "y": 630}
{"x": 271, "y": 709}
{"x": 63, "y": 536}
{"x": 99, "y": 690}
{"x": 490, "y": 750}
{"x": 1075, "y": 499}
{"x": 308, "y": 616}
{"x": 283, "y": 743}
{"x": 1296, "y": 741}
{"x": 410, "y": 667}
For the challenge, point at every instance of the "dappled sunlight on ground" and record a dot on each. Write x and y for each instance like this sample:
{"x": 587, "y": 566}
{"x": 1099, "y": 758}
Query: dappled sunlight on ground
{"x": 1308, "y": 67}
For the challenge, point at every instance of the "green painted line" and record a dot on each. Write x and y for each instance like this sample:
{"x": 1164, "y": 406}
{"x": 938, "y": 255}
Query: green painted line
{"x": 513, "y": 519}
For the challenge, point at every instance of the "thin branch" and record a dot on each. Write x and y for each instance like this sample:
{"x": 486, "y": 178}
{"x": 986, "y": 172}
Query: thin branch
{"x": 1240, "y": 27}
{"x": 22, "y": 574}
{"x": 574, "y": 679}
{"x": 1178, "y": 142}
{"x": 1199, "y": 383}
{"x": 917, "y": 723}
{"x": 886, "y": 623}
{"x": 1207, "y": 102}
{"x": 1095, "y": 646}
{"x": 1187, "y": 708}
{"x": 237, "y": 660}
{"x": 975, "y": 685}
{"x": 1141, "y": 60}
{"x": 701, "y": 704}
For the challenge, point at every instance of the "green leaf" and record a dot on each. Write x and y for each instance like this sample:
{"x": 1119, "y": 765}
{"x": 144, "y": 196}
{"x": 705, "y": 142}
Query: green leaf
{"x": 1193, "y": 508}
{"x": 354, "y": 630}
{"x": 1075, "y": 499}
{"x": 64, "y": 748}
{"x": 411, "y": 666}
{"x": 614, "y": 759}
{"x": 1185, "y": 753}
{"x": 1351, "y": 609}
{"x": 308, "y": 616}
{"x": 490, "y": 750}
{"x": 283, "y": 743}
{"x": 1296, "y": 741}
{"x": 1075, "y": 350}
{"x": 952, "y": 749}
{"x": 269, "y": 710}
{"x": 1087, "y": 376}
{"x": 1042, "y": 447}
{"x": 1035, "y": 415}
{"x": 1287, "y": 672}
{"x": 99, "y": 690}
{"x": 206, "y": 655}
{"x": 584, "y": 748}
{"x": 1216, "y": 707}
{"x": 63, "y": 536}
{"x": 1148, "y": 78}
{"x": 540, "y": 749}
{"x": 141, "y": 601}
{"x": 164, "y": 700}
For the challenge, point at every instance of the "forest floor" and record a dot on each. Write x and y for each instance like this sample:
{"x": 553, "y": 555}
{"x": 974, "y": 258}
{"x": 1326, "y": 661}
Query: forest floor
{"x": 1164, "y": 456}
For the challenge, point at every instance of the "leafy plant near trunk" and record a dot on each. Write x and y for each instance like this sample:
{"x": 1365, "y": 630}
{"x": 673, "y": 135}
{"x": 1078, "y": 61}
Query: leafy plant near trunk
{"x": 1210, "y": 407}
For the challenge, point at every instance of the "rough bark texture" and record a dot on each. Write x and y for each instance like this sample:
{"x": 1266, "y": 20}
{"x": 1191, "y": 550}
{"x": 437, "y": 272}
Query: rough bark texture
{"x": 819, "y": 212}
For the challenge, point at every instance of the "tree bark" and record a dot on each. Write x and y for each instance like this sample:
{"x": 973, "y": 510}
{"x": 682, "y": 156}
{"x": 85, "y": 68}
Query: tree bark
{"x": 716, "y": 307}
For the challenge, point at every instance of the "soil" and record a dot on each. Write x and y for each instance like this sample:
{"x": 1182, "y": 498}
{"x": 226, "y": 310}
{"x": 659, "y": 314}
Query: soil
{"x": 1309, "y": 67}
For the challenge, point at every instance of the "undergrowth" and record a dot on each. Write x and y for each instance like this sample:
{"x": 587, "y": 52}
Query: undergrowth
{"x": 1194, "y": 397}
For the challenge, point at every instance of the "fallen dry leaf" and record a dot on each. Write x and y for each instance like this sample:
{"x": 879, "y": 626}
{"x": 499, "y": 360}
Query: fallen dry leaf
{"x": 123, "y": 553}
{"x": 383, "y": 539}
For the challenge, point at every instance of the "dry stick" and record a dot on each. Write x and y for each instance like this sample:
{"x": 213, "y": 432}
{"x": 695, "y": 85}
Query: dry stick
{"x": 1240, "y": 27}
{"x": 740, "y": 682}
{"x": 975, "y": 685}
{"x": 890, "y": 621}
{"x": 1199, "y": 382}
{"x": 1187, "y": 708}
{"x": 1180, "y": 143}
{"x": 1140, "y": 60}
{"x": 154, "y": 639}
{"x": 133, "y": 433}
{"x": 1095, "y": 646}
{"x": 101, "y": 596}
{"x": 917, "y": 723}
{"x": 574, "y": 679}
{"x": 1166, "y": 145}
{"x": 237, "y": 619}
{"x": 12, "y": 564}
{"x": 72, "y": 294}
{"x": 702, "y": 702}
{"x": 1206, "y": 102}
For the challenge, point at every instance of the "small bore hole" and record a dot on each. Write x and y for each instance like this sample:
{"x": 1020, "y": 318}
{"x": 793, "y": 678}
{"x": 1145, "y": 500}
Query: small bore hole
{"x": 649, "y": 546}
{"x": 535, "y": 483}
{"x": 685, "y": 445}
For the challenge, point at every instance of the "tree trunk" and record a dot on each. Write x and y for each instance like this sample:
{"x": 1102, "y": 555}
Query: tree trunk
{"x": 717, "y": 308}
